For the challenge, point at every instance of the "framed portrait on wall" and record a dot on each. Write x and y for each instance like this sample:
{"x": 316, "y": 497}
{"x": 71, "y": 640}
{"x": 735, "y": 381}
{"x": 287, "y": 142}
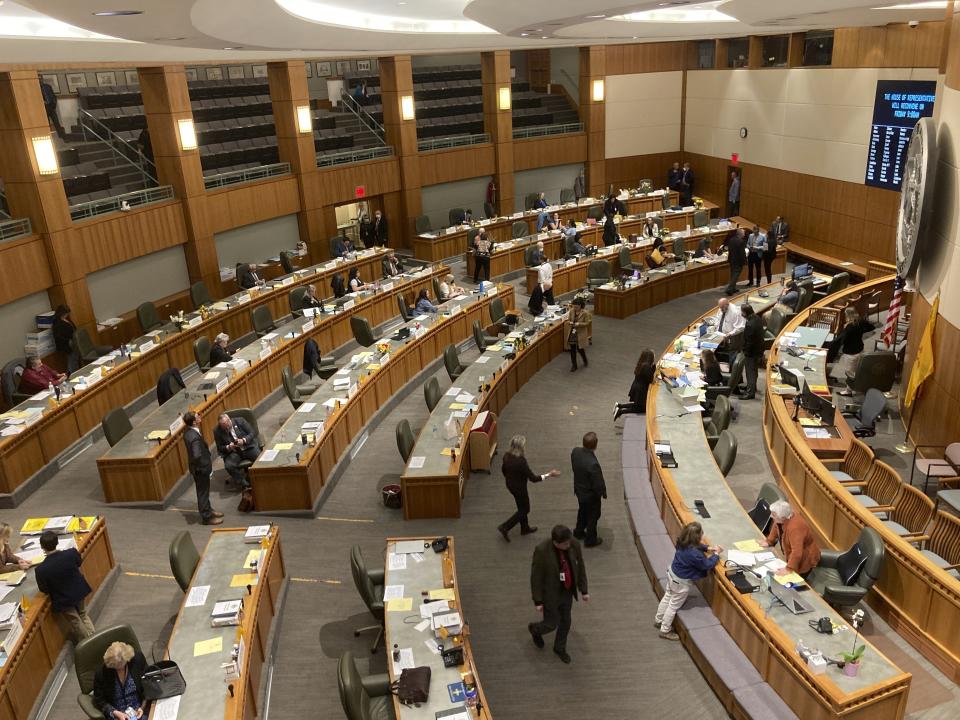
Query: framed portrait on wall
{"x": 107, "y": 78}
{"x": 76, "y": 80}
{"x": 259, "y": 71}
{"x": 191, "y": 74}
{"x": 53, "y": 81}
{"x": 308, "y": 66}
{"x": 215, "y": 73}
{"x": 343, "y": 67}
{"x": 130, "y": 77}
{"x": 235, "y": 72}
{"x": 324, "y": 69}
{"x": 363, "y": 66}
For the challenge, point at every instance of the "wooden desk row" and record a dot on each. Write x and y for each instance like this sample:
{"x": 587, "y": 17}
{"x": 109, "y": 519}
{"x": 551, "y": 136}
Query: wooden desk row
{"x": 61, "y": 425}
{"x": 918, "y": 599}
{"x": 294, "y": 478}
{"x": 34, "y": 655}
{"x": 136, "y": 470}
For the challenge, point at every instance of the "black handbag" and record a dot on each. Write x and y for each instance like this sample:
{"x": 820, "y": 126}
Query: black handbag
{"x": 163, "y": 680}
{"x": 413, "y": 687}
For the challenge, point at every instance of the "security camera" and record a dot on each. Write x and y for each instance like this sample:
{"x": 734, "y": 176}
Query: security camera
{"x": 914, "y": 24}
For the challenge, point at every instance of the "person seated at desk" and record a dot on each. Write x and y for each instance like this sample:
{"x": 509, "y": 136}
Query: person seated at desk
{"x": 614, "y": 206}
{"x": 543, "y": 220}
{"x": 449, "y": 289}
{"x": 656, "y": 259}
{"x": 575, "y": 245}
{"x": 541, "y": 202}
{"x": 555, "y": 222}
{"x": 703, "y": 249}
{"x": 537, "y": 299}
{"x": 710, "y": 367}
{"x": 790, "y": 295}
{"x": 236, "y": 441}
{"x": 9, "y": 561}
{"x": 117, "y": 684}
{"x": 343, "y": 247}
{"x": 650, "y": 229}
{"x": 610, "y": 234}
{"x": 538, "y": 256}
{"x": 355, "y": 282}
{"x": 847, "y": 347}
{"x": 310, "y": 299}
{"x": 338, "y": 286}
{"x": 219, "y": 353}
{"x": 37, "y": 376}
{"x": 728, "y": 319}
{"x": 391, "y": 265}
{"x": 247, "y": 277}
{"x": 423, "y": 304}
{"x": 642, "y": 379}
{"x": 791, "y": 531}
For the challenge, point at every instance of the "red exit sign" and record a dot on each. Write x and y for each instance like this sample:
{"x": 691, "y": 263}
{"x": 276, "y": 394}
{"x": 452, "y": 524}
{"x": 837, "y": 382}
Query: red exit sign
{"x": 360, "y": 191}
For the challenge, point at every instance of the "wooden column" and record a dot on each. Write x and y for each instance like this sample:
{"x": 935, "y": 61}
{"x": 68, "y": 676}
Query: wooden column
{"x": 795, "y": 49}
{"x": 166, "y": 100}
{"x": 495, "y": 74}
{"x": 755, "y": 52}
{"x": 396, "y": 82}
{"x": 288, "y": 91}
{"x": 40, "y": 198}
{"x": 593, "y": 116}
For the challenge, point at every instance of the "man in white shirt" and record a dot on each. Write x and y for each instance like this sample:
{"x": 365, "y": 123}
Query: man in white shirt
{"x": 728, "y": 319}
{"x": 545, "y": 278}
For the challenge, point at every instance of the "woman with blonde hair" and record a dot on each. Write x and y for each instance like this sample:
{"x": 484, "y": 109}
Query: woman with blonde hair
{"x": 449, "y": 289}
{"x": 117, "y": 684}
{"x": 10, "y": 562}
{"x": 517, "y": 473}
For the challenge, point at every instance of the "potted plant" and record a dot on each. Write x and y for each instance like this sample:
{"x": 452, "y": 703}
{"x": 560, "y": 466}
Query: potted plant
{"x": 852, "y": 659}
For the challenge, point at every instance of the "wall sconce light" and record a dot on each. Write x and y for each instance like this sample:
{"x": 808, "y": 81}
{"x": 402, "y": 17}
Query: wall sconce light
{"x": 597, "y": 93}
{"x": 503, "y": 98}
{"x": 188, "y": 134}
{"x": 406, "y": 107}
{"x": 304, "y": 121}
{"x": 46, "y": 155}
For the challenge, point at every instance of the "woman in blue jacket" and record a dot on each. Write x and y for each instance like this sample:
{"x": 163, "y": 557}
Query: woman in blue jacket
{"x": 692, "y": 561}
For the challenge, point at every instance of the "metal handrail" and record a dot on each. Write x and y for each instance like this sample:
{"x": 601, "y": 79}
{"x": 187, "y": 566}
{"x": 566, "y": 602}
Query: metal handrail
{"x": 353, "y": 156}
{"x": 365, "y": 118}
{"x": 120, "y": 147}
{"x": 211, "y": 182}
{"x": 121, "y": 203}
{"x": 544, "y": 130}
{"x": 452, "y": 141}
{"x": 14, "y": 228}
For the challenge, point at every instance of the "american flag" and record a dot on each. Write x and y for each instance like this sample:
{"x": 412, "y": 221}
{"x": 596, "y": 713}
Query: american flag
{"x": 889, "y": 335}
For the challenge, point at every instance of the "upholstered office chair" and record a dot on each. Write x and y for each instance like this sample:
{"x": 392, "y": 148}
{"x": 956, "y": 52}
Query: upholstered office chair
{"x": 625, "y": 260}
{"x": 84, "y": 348}
{"x": 854, "y": 465}
{"x": 472, "y": 235}
{"x": 326, "y": 365}
{"x": 363, "y": 698}
{"x": 286, "y": 261}
{"x": 567, "y": 196}
{"x": 528, "y": 256}
{"x": 451, "y": 361}
{"x": 489, "y": 212}
{"x": 844, "y": 578}
{"x": 598, "y": 273}
{"x": 88, "y": 657}
{"x": 775, "y": 320}
{"x": 199, "y": 295}
{"x": 701, "y": 218}
{"x": 405, "y": 439}
{"x": 805, "y": 289}
{"x": 431, "y": 393}
{"x": 519, "y": 229}
{"x": 402, "y": 306}
{"x": 296, "y": 390}
{"x": 201, "y": 351}
{"x": 262, "y": 320}
{"x": 838, "y": 282}
{"x": 362, "y": 332}
{"x": 595, "y": 213}
{"x": 481, "y": 339}
{"x": 679, "y": 250}
{"x": 455, "y": 216}
{"x": 148, "y": 317}
{"x": 733, "y": 381}
{"x": 760, "y": 512}
{"x": 247, "y": 414}
{"x": 332, "y": 243}
{"x": 725, "y": 451}
{"x": 880, "y": 491}
{"x": 666, "y": 201}
{"x": 295, "y": 298}
{"x": 115, "y": 425}
{"x": 421, "y": 224}
{"x": 529, "y": 200}
{"x": 10, "y": 379}
{"x": 435, "y": 284}
{"x": 719, "y": 420}
{"x": 943, "y": 547}
{"x": 874, "y": 405}
{"x": 877, "y": 369}
{"x": 498, "y": 316}
{"x": 370, "y": 586}
{"x": 184, "y": 559}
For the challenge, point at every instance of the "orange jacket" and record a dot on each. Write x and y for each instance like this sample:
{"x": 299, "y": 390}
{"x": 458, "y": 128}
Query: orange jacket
{"x": 799, "y": 546}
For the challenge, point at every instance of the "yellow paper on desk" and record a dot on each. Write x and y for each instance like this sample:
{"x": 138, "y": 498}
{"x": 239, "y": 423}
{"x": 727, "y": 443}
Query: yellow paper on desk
{"x": 820, "y": 389}
{"x": 494, "y": 348}
{"x": 13, "y": 578}
{"x": 74, "y": 525}
{"x": 251, "y": 556}
{"x": 457, "y": 406}
{"x": 442, "y": 594}
{"x": 243, "y": 580}
{"x": 789, "y": 578}
{"x": 205, "y": 647}
{"x": 283, "y": 446}
{"x": 400, "y": 605}
{"x": 33, "y": 525}
{"x": 157, "y": 434}
{"x": 749, "y": 546}
{"x": 809, "y": 422}
{"x": 373, "y": 366}
{"x": 447, "y": 451}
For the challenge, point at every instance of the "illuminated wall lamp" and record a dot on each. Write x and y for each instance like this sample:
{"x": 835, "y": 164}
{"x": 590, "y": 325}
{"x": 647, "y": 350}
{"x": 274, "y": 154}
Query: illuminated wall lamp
{"x": 188, "y": 134}
{"x": 46, "y": 155}
{"x": 406, "y": 107}
{"x": 304, "y": 121}
{"x": 503, "y": 98}
{"x": 597, "y": 93}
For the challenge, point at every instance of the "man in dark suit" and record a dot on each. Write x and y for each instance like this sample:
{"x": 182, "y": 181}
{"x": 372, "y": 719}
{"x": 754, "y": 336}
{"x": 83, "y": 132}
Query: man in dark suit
{"x": 557, "y": 574}
{"x": 380, "y": 234}
{"x": 779, "y": 233}
{"x": 736, "y": 254}
{"x": 590, "y": 489}
{"x": 198, "y": 459}
{"x": 391, "y": 265}
{"x": 247, "y": 277}
{"x": 50, "y": 106}
{"x": 59, "y": 577}
{"x": 752, "y": 350}
{"x": 343, "y": 246}
{"x": 674, "y": 176}
{"x": 686, "y": 185}
{"x": 236, "y": 442}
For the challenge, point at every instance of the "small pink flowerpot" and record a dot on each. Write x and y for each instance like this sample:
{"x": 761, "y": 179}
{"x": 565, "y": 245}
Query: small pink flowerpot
{"x": 851, "y": 669}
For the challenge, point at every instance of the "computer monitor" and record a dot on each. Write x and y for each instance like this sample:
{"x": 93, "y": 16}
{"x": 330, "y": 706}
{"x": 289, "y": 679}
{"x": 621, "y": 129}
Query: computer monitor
{"x": 801, "y": 271}
{"x": 808, "y": 400}
{"x": 789, "y": 377}
{"x": 827, "y": 412}
{"x": 760, "y": 514}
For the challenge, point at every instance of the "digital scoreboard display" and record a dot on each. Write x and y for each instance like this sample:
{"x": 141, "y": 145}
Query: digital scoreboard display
{"x": 896, "y": 109}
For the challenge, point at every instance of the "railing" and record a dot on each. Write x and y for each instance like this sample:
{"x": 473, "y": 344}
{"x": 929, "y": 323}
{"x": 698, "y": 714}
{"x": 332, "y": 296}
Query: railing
{"x": 10, "y": 229}
{"x": 122, "y": 150}
{"x": 545, "y": 130}
{"x": 124, "y": 202}
{"x": 353, "y": 156}
{"x": 572, "y": 86}
{"x": 365, "y": 118}
{"x": 212, "y": 182}
{"x": 452, "y": 141}
{"x": 3, "y": 205}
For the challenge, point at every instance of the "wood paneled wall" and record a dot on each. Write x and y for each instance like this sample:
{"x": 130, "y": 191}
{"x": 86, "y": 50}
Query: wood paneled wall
{"x": 895, "y": 45}
{"x": 251, "y": 203}
{"x": 24, "y": 268}
{"x": 544, "y": 152}
{"x": 443, "y": 166}
{"x": 646, "y": 57}
{"x": 628, "y": 171}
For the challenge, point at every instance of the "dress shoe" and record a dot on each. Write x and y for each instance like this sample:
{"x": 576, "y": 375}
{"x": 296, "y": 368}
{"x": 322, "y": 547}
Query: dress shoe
{"x": 657, "y": 624}
{"x": 669, "y": 635}
{"x": 216, "y": 514}
{"x": 213, "y": 521}
{"x": 562, "y": 654}
{"x": 537, "y": 637}
{"x": 504, "y": 532}
{"x": 573, "y": 369}
{"x": 529, "y": 530}
{"x": 599, "y": 541}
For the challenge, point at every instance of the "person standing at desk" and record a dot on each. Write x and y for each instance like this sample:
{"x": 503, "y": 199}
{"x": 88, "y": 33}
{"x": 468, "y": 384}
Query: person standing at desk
{"x": 769, "y": 255}
{"x": 736, "y": 253}
{"x": 578, "y": 320}
{"x": 674, "y": 176}
{"x": 482, "y": 250}
{"x": 613, "y": 206}
{"x": 219, "y": 353}
{"x": 690, "y": 563}
{"x": 642, "y": 379}
{"x": 780, "y": 230}
{"x": 800, "y": 550}
{"x": 590, "y": 489}
{"x": 545, "y": 278}
{"x": 63, "y": 332}
{"x": 846, "y": 348}
{"x": 728, "y": 319}
{"x": 59, "y": 577}
{"x": 535, "y": 304}
{"x": 752, "y": 349}
{"x": 50, "y": 106}
{"x": 236, "y": 442}
{"x": 610, "y": 234}
{"x": 517, "y": 473}
{"x": 557, "y": 574}
{"x": 733, "y": 194}
{"x": 686, "y": 185}
{"x": 198, "y": 459}
{"x": 381, "y": 235}
{"x": 756, "y": 251}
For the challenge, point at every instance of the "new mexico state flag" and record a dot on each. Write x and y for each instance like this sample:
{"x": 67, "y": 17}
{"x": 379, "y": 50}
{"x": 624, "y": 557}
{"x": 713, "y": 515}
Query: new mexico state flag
{"x": 923, "y": 364}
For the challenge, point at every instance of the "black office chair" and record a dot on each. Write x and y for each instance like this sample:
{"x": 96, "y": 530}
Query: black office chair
{"x": 115, "y": 425}
{"x": 148, "y": 317}
{"x": 362, "y": 332}
{"x": 598, "y": 273}
{"x": 262, "y": 320}
{"x": 775, "y": 320}
{"x": 421, "y": 224}
{"x": 455, "y": 216}
{"x": 874, "y": 404}
{"x": 363, "y": 698}
{"x": 431, "y": 393}
{"x": 519, "y": 229}
{"x": 201, "y": 351}
{"x": 719, "y": 420}
{"x": 296, "y": 391}
{"x": 877, "y": 370}
{"x": 760, "y": 512}
{"x": 844, "y": 578}
{"x": 489, "y": 211}
{"x": 199, "y": 295}
{"x": 451, "y": 361}
{"x": 286, "y": 261}
{"x": 530, "y": 200}
{"x": 404, "y": 310}
{"x": 838, "y": 282}
{"x": 625, "y": 260}
{"x": 10, "y": 379}
{"x": 84, "y": 348}
{"x": 482, "y": 340}
{"x": 370, "y": 586}
{"x": 567, "y": 196}
{"x": 184, "y": 559}
{"x": 295, "y": 298}
{"x": 595, "y": 213}
{"x": 405, "y": 439}
{"x": 725, "y": 451}
{"x": 733, "y": 382}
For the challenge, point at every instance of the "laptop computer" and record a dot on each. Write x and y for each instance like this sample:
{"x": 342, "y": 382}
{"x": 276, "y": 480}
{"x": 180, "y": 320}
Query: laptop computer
{"x": 406, "y": 547}
{"x": 790, "y": 598}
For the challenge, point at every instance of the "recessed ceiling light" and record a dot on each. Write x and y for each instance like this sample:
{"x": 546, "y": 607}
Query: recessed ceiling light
{"x": 238, "y": 47}
{"x": 543, "y": 37}
{"x": 169, "y": 39}
{"x": 595, "y": 16}
{"x": 115, "y": 13}
{"x": 524, "y": 34}
{"x": 915, "y": 6}
{"x": 401, "y": 3}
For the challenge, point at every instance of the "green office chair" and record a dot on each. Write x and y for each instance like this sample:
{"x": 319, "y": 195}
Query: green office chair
{"x": 404, "y": 310}
{"x": 85, "y": 349}
{"x": 286, "y": 261}
{"x": 625, "y": 260}
{"x": 719, "y": 420}
{"x": 296, "y": 391}
{"x": 201, "y": 351}
{"x": 567, "y": 196}
{"x": 667, "y": 200}
{"x": 115, "y": 425}
{"x": 598, "y": 273}
{"x": 805, "y": 289}
{"x": 701, "y": 218}
{"x": 148, "y": 317}
{"x": 370, "y": 586}
{"x": 679, "y": 250}
{"x": 595, "y": 213}
{"x": 262, "y": 320}
{"x": 455, "y": 216}
{"x": 733, "y": 382}
{"x": 775, "y": 320}
{"x": 838, "y": 282}
{"x": 363, "y": 698}
{"x": 11, "y": 374}
{"x": 844, "y": 578}
{"x": 519, "y": 229}
{"x": 528, "y": 256}
{"x": 362, "y": 332}
{"x": 436, "y": 289}
{"x": 421, "y": 224}
{"x": 405, "y": 439}
{"x": 88, "y": 657}
{"x": 295, "y": 298}
{"x": 725, "y": 451}
{"x": 431, "y": 393}
{"x": 481, "y": 338}
{"x": 199, "y": 295}
{"x": 472, "y": 235}
{"x": 451, "y": 361}
{"x": 530, "y": 200}
{"x": 498, "y": 316}
{"x": 184, "y": 559}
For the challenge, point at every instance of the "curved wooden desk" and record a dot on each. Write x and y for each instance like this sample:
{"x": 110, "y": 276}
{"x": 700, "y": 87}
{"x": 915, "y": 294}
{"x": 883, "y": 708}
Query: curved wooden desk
{"x": 918, "y": 599}
{"x": 292, "y": 480}
{"x": 767, "y": 636}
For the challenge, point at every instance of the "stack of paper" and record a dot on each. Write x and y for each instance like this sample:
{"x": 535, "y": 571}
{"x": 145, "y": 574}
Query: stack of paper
{"x": 256, "y": 533}
{"x": 226, "y": 612}
{"x": 8, "y": 614}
